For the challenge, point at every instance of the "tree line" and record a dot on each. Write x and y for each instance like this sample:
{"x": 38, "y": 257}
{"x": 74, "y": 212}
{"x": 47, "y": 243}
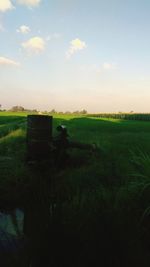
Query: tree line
{"x": 52, "y": 111}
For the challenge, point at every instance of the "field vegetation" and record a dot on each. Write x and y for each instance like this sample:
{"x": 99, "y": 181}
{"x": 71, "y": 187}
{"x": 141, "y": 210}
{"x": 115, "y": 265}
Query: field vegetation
{"x": 125, "y": 116}
{"x": 93, "y": 211}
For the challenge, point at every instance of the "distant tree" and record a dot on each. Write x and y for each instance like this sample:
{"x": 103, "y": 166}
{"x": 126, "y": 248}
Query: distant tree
{"x": 83, "y": 112}
{"x": 53, "y": 111}
{"x": 17, "y": 108}
{"x": 76, "y": 112}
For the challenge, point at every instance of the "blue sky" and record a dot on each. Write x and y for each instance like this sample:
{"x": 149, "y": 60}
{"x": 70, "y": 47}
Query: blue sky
{"x": 71, "y": 55}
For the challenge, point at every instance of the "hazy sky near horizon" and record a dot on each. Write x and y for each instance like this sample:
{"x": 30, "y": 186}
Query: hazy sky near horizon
{"x": 75, "y": 54}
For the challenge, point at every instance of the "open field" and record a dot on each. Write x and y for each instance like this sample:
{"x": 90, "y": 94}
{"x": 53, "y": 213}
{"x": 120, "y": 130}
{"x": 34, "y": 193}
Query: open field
{"x": 100, "y": 200}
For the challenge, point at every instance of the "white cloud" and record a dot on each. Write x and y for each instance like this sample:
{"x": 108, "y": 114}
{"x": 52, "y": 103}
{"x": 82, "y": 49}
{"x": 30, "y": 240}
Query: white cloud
{"x": 109, "y": 66}
{"x": 75, "y": 46}
{"x": 29, "y": 3}
{"x": 5, "y": 5}
{"x": 34, "y": 45}
{"x": 23, "y": 29}
{"x": 8, "y": 62}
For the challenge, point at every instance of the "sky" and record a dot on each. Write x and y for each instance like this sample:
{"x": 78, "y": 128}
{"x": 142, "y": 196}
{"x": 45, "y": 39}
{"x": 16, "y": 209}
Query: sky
{"x": 75, "y": 54}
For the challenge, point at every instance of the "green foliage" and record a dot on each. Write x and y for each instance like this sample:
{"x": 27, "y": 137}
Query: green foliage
{"x": 17, "y": 108}
{"x": 124, "y": 116}
{"x": 99, "y": 201}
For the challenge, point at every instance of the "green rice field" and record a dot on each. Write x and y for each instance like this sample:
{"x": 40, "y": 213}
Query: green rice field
{"x": 95, "y": 211}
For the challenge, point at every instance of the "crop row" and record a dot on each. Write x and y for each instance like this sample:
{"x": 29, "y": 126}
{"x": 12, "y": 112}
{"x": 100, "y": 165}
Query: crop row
{"x": 124, "y": 116}
{"x": 7, "y": 128}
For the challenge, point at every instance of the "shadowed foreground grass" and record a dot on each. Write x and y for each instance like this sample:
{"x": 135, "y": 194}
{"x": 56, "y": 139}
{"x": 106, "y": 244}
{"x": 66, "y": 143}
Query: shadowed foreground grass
{"x": 93, "y": 212}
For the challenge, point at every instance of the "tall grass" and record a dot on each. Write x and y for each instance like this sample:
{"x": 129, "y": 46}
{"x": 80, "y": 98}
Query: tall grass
{"x": 95, "y": 210}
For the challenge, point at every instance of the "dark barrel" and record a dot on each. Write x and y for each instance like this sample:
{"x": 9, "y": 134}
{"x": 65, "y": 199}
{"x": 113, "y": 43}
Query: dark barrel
{"x": 39, "y": 136}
